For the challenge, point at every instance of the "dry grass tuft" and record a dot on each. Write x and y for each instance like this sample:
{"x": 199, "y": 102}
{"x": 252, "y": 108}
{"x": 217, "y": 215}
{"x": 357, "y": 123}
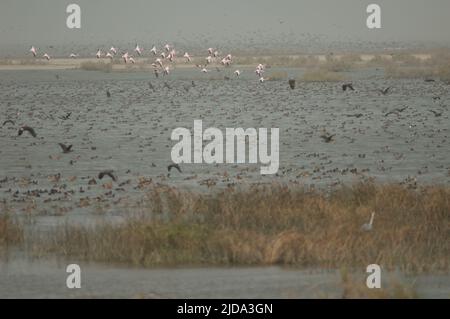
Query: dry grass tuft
{"x": 321, "y": 75}
{"x": 398, "y": 72}
{"x": 96, "y": 66}
{"x": 408, "y": 66}
{"x": 11, "y": 233}
{"x": 277, "y": 76}
{"x": 272, "y": 224}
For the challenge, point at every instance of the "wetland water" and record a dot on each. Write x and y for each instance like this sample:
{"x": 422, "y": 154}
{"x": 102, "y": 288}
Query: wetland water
{"x": 24, "y": 279}
{"x": 130, "y": 131}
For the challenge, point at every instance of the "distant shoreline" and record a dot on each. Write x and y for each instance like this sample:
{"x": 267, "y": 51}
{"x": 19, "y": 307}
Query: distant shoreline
{"x": 144, "y": 63}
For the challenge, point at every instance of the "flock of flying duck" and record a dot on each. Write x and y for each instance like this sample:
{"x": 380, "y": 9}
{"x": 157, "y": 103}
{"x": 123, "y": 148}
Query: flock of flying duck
{"x": 163, "y": 59}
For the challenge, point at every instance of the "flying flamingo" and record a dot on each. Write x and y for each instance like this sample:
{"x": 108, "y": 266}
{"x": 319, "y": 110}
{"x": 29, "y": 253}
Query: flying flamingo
{"x": 138, "y": 50}
{"x": 158, "y": 61}
{"x": 34, "y": 51}
{"x": 226, "y": 62}
{"x": 166, "y": 70}
{"x": 172, "y": 55}
{"x": 259, "y": 70}
{"x": 125, "y": 57}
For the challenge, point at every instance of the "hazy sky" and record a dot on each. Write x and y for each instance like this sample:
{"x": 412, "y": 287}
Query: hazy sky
{"x": 43, "y": 22}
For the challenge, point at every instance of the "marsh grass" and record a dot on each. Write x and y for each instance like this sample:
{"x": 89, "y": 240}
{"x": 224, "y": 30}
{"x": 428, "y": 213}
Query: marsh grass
{"x": 321, "y": 75}
{"x": 277, "y": 76}
{"x": 397, "y": 72}
{"x": 96, "y": 66}
{"x": 437, "y": 65}
{"x": 30, "y": 61}
{"x": 280, "y": 60}
{"x": 271, "y": 225}
{"x": 11, "y": 233}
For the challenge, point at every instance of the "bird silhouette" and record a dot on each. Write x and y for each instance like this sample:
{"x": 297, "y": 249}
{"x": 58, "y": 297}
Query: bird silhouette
{"x": 292, "y": 84}
{"x": 396, "y": 111}
{"x": 65, "y": 148}
{"x": 385, "y": 91}
{"x": 327, "y": 138}
{"x": 9, "y": 121}
{"x": 358, "y": 115}
{"x": 28, "y": 129}
{"x": 66, "y": 117}
{"x": 176, "y": 166}
{"x": 348, "y": 86}
{"x": 437, "y": 114}
{"x": 109, "y": 173}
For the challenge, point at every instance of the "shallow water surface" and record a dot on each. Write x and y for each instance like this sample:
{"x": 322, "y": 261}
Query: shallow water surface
{"x": 130, "y": 132}
{"x": 26, "y": 279}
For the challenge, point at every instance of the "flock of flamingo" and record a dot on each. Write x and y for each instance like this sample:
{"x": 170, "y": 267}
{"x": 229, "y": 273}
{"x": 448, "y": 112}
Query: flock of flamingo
{"x": 164, "y": 59}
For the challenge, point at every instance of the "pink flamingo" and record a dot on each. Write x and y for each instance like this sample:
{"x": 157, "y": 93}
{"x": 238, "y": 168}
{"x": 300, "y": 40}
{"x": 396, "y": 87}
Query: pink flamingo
{"x": 138, "y": 50}
{"x": 125, "y": 57}
{"x": 34, "y": 51}
{"x": 166, "y": 70}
